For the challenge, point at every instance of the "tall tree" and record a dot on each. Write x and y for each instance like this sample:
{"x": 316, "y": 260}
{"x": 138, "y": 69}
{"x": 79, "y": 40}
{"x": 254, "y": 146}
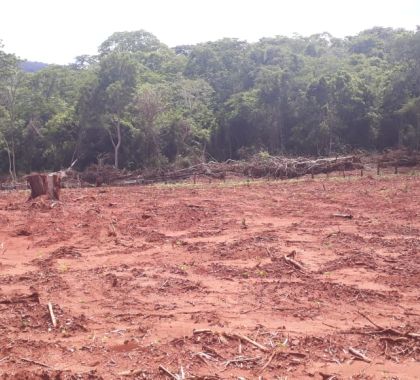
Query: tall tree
{"x": 108, "y": 100}
{"x": 11, "y": 83}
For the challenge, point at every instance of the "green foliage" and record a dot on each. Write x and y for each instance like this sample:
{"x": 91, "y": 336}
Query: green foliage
{"x": 147, "y": 105}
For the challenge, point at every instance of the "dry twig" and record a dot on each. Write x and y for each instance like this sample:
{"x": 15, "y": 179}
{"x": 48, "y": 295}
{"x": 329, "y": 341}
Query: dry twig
{"x": 288, "y": 259}
{"x": 268, "y": 361}
{"x": 169, "y": 373}
{"x": 253, "y": 342}
{"x": 368, "y": 319}
{"x": 345, "y": 216}
{"x": 388, "y": 330}
{"x": 35, "y": 362}
{"x": 242, "y": 359}
{"x": 233, "y": 336}
{"x": 359, "y": 355}
{"x": 53, "y": 319}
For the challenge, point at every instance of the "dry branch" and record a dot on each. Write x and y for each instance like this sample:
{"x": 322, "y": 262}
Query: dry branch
{"x": 388, "y": 330}
{"x": 289, "y": 260}
{"x": 268, "y": 361}
{"x": 53, "y": 319}
{"x": 253, "y": 342}
{"x": 345, "y": 216}
{"x": 368, "y": 319}
{"x": 170, "y": 374}
{"x": 359, "y": 355}
{"x": 35, "y": 362}
{"x": 242, "y": 359}
{"x": 233, "y": 336}
{"x": 203, "y": 331}
{"x": 413, "y": 335}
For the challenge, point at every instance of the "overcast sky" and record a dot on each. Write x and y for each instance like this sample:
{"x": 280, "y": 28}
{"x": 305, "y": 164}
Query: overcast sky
{"x": 56, "y": 31}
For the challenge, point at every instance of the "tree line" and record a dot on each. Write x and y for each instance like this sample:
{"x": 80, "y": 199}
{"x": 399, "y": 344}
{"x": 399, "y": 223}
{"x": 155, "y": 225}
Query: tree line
{"x": 138, "y": 103}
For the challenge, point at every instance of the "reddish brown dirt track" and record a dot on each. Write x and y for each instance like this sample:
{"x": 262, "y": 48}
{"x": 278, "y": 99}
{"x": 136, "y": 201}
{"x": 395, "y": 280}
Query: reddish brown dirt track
{"x": 194, "y": 279}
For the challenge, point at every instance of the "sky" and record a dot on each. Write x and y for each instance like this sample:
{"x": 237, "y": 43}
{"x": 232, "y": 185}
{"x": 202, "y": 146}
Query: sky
{"x": 56, "y": 31}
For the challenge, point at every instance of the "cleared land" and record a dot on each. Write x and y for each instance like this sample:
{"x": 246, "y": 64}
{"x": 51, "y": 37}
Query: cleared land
{"x": 195, "y": 279}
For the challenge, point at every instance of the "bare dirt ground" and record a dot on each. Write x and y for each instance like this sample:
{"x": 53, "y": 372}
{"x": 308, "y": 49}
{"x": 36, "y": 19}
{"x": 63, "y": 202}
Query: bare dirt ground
{"x": 193, "y": 279}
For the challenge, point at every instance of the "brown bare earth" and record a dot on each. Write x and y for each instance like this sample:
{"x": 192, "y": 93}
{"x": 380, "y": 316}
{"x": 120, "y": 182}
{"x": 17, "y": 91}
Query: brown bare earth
{"x": 201, "y": 281}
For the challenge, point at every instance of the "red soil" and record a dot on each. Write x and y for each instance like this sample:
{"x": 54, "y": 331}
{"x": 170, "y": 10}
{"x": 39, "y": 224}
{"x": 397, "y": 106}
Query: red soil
{"x": 133, "y": 272}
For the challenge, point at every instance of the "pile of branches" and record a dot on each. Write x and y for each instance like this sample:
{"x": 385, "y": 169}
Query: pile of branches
{"x": 95, "y": 175}
{"x": 399, "y": 157}
{"x": 257, "y": 167}
{"x": 7, "y": 184}
{"x": 283, "y": 167}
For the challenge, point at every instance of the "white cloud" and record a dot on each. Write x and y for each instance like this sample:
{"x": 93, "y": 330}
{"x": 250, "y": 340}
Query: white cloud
{"x": 59, "y": 30}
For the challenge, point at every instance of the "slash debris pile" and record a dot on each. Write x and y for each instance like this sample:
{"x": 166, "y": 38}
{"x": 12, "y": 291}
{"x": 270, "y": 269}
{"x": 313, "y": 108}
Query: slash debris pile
{"x": 399, "y": 157}
{"x": 258, "y": 166}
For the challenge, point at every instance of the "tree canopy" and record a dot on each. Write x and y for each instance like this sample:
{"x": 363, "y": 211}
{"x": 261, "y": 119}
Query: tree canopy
{"x": 143, "y": 104}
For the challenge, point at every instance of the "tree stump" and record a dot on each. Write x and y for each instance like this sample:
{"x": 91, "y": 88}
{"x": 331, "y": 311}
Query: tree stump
{"x": 45, "y": 184}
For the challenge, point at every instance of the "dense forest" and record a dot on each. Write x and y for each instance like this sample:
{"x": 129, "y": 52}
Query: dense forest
{"x": 139, "y": 103}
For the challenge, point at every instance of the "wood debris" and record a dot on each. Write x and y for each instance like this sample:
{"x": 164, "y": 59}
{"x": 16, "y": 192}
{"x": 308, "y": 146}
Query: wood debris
{"x": 344, "y": 216}
{"x": 35, "y": 362}
{"x": 290, "y": 259}
{"x": 52, "y": 315}
{"x": 359, "y": 355}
